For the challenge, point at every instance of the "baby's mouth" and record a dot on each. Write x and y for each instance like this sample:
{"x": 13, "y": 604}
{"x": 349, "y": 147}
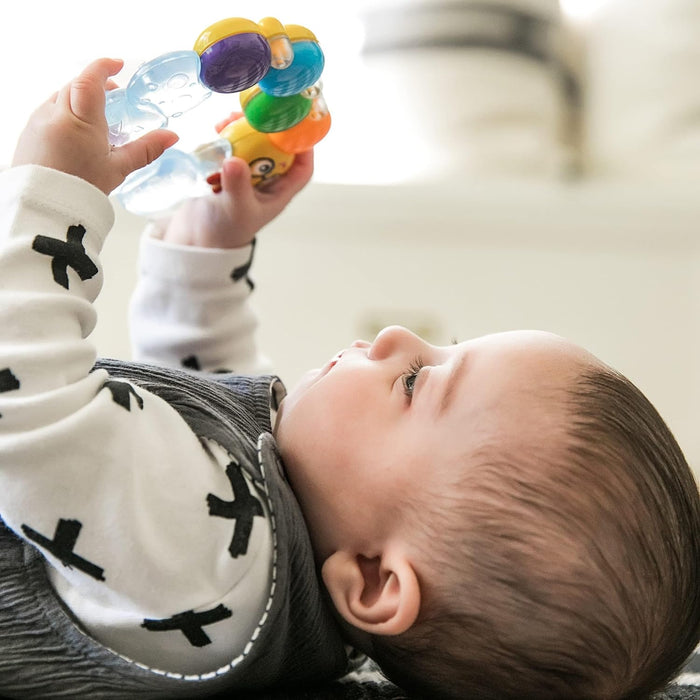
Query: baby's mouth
{"x": 335, "y": 360}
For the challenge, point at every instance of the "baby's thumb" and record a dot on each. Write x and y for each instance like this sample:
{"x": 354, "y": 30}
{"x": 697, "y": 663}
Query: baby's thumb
{"x": 235, "y": 177}
{"x": 144, "y": 150}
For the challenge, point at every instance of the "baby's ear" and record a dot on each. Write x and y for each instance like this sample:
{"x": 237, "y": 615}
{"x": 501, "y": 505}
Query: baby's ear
{"x": 379, "y": 595}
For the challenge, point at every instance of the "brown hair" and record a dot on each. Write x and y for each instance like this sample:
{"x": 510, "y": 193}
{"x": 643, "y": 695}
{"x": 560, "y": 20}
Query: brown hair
{"x": 573, "y": 574}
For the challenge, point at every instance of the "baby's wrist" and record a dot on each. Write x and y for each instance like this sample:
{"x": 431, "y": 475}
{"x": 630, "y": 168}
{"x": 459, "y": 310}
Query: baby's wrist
{"x": 194, "y": 240}
{"x": 190, "y": 265}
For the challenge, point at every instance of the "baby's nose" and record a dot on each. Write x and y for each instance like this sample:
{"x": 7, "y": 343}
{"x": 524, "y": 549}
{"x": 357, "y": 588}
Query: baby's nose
{"x": 392, "y": 340}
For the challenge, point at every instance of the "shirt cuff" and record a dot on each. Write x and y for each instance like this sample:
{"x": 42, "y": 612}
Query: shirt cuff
{"x": 190, "y": 265}
{"x": 58, "y": 194}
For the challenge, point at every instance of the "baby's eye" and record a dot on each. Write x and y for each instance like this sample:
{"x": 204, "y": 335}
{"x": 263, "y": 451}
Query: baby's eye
{"x": 408, "y": 379}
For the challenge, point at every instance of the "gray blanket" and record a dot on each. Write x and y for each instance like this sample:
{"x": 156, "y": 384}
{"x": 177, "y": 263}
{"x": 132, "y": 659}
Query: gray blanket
{"x": 367, "y": 683}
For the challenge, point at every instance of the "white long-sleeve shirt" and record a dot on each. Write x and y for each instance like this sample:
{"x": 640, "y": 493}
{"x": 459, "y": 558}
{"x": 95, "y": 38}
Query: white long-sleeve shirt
{"x": 107, "y": 480}
{"x": 190, "y": 308}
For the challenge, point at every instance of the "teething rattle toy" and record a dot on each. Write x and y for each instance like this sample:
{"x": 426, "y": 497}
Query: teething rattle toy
{"x": 275, "y": 68}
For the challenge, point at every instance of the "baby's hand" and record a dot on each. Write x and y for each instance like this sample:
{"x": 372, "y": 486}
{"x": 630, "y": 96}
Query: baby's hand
{"x": 69, "y": 133}
{"x": 231, "y": 218}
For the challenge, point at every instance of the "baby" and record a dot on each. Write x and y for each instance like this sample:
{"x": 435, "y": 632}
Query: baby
{"x": 505, "y": 517}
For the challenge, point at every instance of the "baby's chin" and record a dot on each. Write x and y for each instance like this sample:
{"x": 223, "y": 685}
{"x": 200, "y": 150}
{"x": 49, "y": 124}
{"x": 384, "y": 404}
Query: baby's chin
{"x": 307, "y": 380}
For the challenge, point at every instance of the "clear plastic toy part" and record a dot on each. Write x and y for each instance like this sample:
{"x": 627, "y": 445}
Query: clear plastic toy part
{"x": 166, "y": 87}
{"x": 160, "y": 187}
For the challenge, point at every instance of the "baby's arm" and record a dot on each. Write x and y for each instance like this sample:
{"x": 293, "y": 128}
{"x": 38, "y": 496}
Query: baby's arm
{"x": 104, "y": 478}
{"x": 191, "y": 305}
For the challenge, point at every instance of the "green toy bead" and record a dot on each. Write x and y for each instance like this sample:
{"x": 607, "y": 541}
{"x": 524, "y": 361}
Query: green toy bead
{"x": 270, "y": 114}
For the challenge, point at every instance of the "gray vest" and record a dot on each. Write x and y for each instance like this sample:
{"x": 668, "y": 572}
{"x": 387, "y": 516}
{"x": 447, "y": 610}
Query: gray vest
{"x": 44, "y": 653}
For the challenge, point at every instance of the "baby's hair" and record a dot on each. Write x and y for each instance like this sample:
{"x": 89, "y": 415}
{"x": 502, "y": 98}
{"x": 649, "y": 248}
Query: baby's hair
{"x": 569, "y": 574}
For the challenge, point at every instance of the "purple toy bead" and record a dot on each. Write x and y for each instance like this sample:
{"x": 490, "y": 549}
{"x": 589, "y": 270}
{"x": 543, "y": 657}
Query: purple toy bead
{"x": 235, "y": 63}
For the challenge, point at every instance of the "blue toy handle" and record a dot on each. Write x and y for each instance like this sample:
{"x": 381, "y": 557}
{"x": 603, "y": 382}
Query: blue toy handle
{"x": 304, "y": 70}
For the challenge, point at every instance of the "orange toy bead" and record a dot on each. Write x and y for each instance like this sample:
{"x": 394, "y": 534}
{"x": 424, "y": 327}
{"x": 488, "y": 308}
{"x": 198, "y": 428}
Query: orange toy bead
{"x": 303, "y": 136}
{"x": 309, "y": 131}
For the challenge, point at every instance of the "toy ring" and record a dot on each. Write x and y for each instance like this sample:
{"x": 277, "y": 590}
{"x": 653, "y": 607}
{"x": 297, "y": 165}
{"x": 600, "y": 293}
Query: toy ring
{"x": 276, "y": 69}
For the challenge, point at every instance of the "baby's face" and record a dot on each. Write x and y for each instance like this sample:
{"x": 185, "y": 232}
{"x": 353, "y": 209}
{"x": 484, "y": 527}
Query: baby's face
{"x": 394, "y": 416}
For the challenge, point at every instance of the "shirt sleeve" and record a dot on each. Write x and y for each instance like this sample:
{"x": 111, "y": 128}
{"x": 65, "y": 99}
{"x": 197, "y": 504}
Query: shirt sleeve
{"x": 192, "y": 308}
{"x": 105, "y": 479}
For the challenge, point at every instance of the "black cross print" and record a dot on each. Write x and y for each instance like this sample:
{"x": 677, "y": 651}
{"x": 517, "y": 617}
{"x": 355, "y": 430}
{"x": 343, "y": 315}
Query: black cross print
{"x": 242, "y": 271}
{"x": 191, "y": 362}
{"x": 68, "y": 254}
{"x": 8, "y": 381}
{"x": 243, "y": 509}
{"x": 190, "y": 624}
{"x": 122, "y": 392}
{"x": 61, "y": 546}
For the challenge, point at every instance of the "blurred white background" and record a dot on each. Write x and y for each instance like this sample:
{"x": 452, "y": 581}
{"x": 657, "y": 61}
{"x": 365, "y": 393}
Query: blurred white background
{"x": 46, "y": 43}
{"x": 492, "y": 164}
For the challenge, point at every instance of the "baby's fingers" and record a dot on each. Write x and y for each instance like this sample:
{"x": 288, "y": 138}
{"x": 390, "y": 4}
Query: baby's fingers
{"x": 235, "y": 181}
{"x": 294, "y": 180}
{"x": 85, "y": 94}
{"x": 300, "y": 173}
{"x": 143, "y": 151}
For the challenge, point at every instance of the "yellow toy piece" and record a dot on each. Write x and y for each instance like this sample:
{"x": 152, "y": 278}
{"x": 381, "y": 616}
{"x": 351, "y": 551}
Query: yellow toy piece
{"x": 271, "y": 27}
{"x": 225, "y": 28}
{"x": 281, "y": 52}
{"x": 264, "y": 159}
{"x": 296, "y": 32}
